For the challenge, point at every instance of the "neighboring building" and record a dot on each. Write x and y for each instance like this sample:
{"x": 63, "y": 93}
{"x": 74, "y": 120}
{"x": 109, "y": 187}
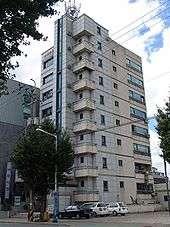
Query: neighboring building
{"x": 91, "y": 85}
{"x": 15, "y": 110}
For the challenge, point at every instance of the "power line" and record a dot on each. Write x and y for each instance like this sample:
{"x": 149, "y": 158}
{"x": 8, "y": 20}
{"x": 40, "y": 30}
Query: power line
{"x": 126, "y": 26}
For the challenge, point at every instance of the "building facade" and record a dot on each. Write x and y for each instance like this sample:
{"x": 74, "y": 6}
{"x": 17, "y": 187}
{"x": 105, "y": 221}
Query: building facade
{"x": 93, "y": 87}
{"x": 15, "y": 109}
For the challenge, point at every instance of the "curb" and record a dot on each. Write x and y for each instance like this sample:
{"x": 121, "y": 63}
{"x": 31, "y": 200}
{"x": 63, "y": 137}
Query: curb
{"x": 35, "y": 223}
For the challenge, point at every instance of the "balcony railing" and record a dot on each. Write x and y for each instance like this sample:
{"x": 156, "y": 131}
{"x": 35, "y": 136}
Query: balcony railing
{"x": 84, "y": 125}
{"x": 83, "y": 46}
{"x": 86, "y": 171}
{"x": 84, "y": 148}
{"x": 83, "y": 84}
{"x": 84, "y": 104}
{"x": 82, "y": 65}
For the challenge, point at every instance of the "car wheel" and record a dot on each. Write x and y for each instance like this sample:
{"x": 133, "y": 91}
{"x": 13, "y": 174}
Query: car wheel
{"x": 94, "y": 214}
{"x": 115, "y": 213}
{"x": 122, "y": 214}
{"x": 77, "y": 216}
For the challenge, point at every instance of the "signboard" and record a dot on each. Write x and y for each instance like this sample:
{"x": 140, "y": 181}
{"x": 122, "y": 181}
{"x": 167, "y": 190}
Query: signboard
{"x": 8, "y": 180}
{"x": 17, "y": 201}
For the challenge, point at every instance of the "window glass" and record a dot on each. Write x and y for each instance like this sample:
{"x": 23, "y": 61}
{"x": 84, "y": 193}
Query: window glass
{"x": 48, "y": 78}
{"x": 134, "y": 65}
{"x": 135, "y": 81}
{"x": 137, "y": 113}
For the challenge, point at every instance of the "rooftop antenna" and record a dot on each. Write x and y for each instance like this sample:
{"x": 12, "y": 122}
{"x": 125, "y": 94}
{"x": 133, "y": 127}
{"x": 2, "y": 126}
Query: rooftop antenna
{"x": 72, "y": 9}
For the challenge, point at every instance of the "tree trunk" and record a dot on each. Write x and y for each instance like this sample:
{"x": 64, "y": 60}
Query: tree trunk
{"x": 43, "y": 206}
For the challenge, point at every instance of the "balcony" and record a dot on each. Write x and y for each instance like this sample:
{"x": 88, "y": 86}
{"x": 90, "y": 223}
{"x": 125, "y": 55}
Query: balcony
{"x": 86, "y": 196}
{"x": 84, "y": 84}
{"x": 84, "y": 104}
{"x": 83, "y": 46}
{"x": 82, "y": 65}
{"x": 86, "y": 171}
{"x": 84, "y": 125}
{"x": 86, "y": 148}
{"x": 144, "y": 177}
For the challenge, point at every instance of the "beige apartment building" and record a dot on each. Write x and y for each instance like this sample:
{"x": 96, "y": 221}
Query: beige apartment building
{"x": 93, "y": 87}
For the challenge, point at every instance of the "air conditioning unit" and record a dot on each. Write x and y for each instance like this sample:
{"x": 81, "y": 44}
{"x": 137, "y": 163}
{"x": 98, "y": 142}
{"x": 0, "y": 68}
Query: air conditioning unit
{"x": 69, "y": 34}
{"x": 69, "y": 105}
{"x": 69, "y": 48}
{"x": 69, "y": 67}
{"x": 69, "y": 86}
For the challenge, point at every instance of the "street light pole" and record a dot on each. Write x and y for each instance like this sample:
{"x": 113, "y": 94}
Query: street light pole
{"x": 55, "y": 193}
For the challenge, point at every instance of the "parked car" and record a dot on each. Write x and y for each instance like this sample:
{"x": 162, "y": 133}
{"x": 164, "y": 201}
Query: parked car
{"x": 99, "y": 209}
{"x": 74, "y": 212}
{"x": 117, "y": 208}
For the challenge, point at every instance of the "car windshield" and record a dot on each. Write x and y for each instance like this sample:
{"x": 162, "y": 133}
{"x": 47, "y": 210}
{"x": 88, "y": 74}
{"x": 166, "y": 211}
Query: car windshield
{"x": 86, "y": 206}
{"x": 121, "y": 204}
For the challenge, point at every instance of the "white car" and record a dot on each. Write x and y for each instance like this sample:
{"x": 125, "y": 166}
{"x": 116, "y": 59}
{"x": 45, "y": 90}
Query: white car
{"x": 99, "y": 209}
{"x": 117, "y": 208}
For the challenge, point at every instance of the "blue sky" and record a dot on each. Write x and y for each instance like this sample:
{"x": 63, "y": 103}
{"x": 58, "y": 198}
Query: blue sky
{"x": 155, "y": 42}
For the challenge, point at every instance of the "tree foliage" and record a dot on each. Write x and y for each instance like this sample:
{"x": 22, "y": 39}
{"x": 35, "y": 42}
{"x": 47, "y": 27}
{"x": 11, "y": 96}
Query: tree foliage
{"x": 35, "y": 158}
{"x": 18, "y": 22}
{"x": 163, "y": 130}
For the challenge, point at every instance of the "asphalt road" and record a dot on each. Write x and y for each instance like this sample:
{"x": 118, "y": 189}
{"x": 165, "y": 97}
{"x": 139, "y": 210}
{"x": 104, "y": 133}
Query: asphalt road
{"x": 72, "y": 225}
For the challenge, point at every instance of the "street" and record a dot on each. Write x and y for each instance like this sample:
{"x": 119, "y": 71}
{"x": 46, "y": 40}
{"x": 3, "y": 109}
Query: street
{"x": 157, "y": 219}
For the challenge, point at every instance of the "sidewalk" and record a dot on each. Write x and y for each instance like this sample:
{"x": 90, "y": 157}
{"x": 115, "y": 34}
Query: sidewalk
{"x": 24, "y": 221}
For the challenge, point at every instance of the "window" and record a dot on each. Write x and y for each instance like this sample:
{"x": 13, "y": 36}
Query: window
{"x": 117, "y": 103}
{"x": 98, "y": 30}
{"x": 80, "y": 76}
{"x": 48, "y": 63}
{"x": 120, "y": 162}
{"x": 81, "y": 116}
{"x": 81, "y": 159}
{"x": 100, "y": 80}
{"x": 47, "y": 112}
{"x": 113, "y": 52}
{"x": 47, "y": 95}
{"x": 99, "y": 45}
{"x": 119, "y": 142}
{"x": 137, "y": 113}
{"x": 117, "y": 122}
{"x": 80, "y": 58}
{"x": 101, "y": 99}
{"x": 136, "y": 130}
{"x": 115, "y": 86}
{"x": 48, "y": 78}
{"x": 136, "y": 97}
{"x": 82, "y": 183}
{"x": 102, "y": 119}
{"x": 105, "y": 186}
{"x": 81, "y": 137}
{"x": 100, "y": 62}
{"x": 114, "y": 69}
{"x": 135, "y": 81}
{"x": 80, "y": 41}
{"x": 143, "y": 188}
{"x": 141, "y": 149}
{"x": 103, "y": 140}
{"x": 121, "y": 184}
{"x": 134, "y": 65}
{"x": 165, "y": 198}
{"x": 104, "y": 160}
{"x": 80, "y": 95}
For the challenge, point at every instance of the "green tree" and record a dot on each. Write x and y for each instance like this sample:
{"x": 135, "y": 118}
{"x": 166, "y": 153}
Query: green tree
{"x": 35, "y": 158}
{"x": 18, "y": 23}
{"x": 163, "y": 130}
